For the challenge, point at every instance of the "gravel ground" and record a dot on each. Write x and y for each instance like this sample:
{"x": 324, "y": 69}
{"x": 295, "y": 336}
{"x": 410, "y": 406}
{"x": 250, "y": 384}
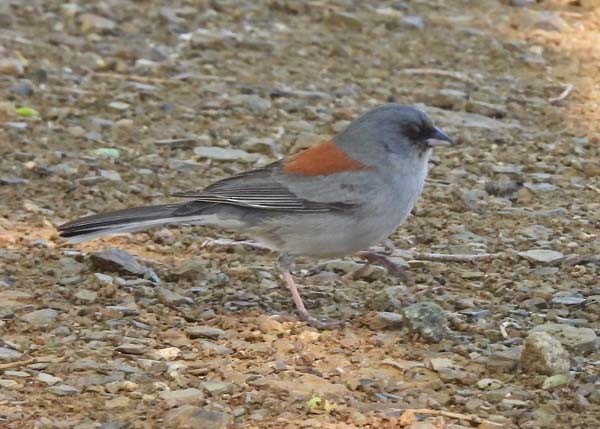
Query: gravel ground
{"x": 110, "y": 104}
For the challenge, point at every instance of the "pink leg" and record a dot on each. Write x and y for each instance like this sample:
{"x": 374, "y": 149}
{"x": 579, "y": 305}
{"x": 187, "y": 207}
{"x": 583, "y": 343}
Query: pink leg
{"x": 286, "y": 261}
{"x": 291, "y": 285}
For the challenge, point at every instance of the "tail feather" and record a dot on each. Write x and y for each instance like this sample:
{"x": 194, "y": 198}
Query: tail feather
{"x": 121, "y": 221}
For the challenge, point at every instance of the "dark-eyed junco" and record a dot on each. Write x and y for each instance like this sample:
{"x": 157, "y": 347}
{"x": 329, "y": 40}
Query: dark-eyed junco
{"x": 336, "y": 198}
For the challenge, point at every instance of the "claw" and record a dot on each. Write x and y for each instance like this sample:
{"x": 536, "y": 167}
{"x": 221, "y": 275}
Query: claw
{"x": 393, "y": 268}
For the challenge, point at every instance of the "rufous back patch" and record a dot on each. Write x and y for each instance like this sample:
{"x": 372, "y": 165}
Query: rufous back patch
{"x": 323, "y": 158}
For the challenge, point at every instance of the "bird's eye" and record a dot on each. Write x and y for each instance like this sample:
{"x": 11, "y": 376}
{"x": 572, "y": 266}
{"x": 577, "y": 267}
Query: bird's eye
{"x": 413, "y": 131}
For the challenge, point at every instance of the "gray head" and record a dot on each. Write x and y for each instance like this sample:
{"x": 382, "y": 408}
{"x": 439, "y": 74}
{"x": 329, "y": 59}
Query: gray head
{"x": 391, "y": 129}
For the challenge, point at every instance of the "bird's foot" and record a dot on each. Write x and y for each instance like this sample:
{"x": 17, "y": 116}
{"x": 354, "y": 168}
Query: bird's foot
{"x": 310, "y": 321}
{"x": 322, "y": 324}
{"x": 393, "y": 268}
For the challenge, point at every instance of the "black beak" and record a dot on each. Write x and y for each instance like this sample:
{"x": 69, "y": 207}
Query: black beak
{"x": 439, "y": 138}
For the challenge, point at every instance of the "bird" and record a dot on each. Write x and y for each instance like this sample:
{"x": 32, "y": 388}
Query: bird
{"x": 336, "y": 198}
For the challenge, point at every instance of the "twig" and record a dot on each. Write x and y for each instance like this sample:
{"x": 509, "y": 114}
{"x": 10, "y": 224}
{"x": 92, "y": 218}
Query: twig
{"x": 437, "y": 72}
{"x": 20, "y": 39}
{"x": 446, "y": 257}
{"x": 136, "y": 78}
{"x": 458, "y": 416}
{"x": 505, "y": 325}
{"x": 17, "y": 364}
{"x": 177, "y": 143}
{"x": 439, "y": 182}
{"x": 29, "y": 362}
{"x": 562, "y": 95}
{"x": 77, "y": 91}
{"x": 593, "y": 188}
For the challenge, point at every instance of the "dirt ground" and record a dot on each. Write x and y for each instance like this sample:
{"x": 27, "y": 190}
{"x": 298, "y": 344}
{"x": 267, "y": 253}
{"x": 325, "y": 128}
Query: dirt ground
{"x": 111, "y": 104}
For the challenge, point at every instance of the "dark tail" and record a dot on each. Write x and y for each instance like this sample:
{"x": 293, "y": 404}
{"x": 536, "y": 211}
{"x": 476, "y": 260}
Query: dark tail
{"x": 128, "y": 220}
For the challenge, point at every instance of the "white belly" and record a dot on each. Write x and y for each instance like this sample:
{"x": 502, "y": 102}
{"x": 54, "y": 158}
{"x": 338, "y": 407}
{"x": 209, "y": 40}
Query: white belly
{"x": 337, "y": 234}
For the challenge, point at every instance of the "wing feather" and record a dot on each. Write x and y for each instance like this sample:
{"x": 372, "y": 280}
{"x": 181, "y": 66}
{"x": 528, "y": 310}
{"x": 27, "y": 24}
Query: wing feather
{"x": 259, "y": 189}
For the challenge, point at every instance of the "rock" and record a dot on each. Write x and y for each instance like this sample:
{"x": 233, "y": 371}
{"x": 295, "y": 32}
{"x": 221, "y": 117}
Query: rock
{"x": 7, "y": 238}
{"x": 48, "y": 379}
{"x": 71, "y": 266}
{"x": 86, "y": 296}
{"x": 95, "y": 23}
{"x": 41, "y": 318}
{"x": 126, "y": 310}
{"x": 308, "y": 384}
{"x": 122, "y": 385}
{"x": 533, "y": 304}
{"x": 116, "y": 260}
{"x": 17, "y": 125}
{"x": 344, "y": 20}
{"x": 544, "y": 354}
{"x": 509, "y": 404}
{"x": 11, "y": 179}
{"x": 64, "y": 390}
{"x": 452, "y": 99}
{"x": 422, "y": 425}
{"x": 215, "y": 348}
{"x": 132, "y": 349}
{"x": 265, "y": 145}
{"x": 504, "y": 360}
{"x": 191, "y": 417}
{"x": 192, "y": 270}
{"x": 203, "y": 38}
{"x": 168, "y": 297}
{"x": 111, "y": 175}
{"x": 20, "y": 374}
{"x": 256, "y": 104}
{"x": 385, "y": 320}
{"x": 540, "y": 187}
{"x": 550, "y": 213}
{"x": 502, "y": 187}
{"x": 550, "y": 21}
{"x": 441, "y": 363}
{"x": 428, "y": 320}
{"x": 217, "y": 388}
{"x": 119, "y": 105}
{"x": 537, "y": 232}
{"x": 175, "y": 398}
{"x": 346, "y": 91}
{"x": 339, "y": 126}
{"x": 391, "y": 298}
{"x": 9, "y": 384}
{"x": 7, "y": 354}
{"x": 542, "y": 256}
{"x": 118, "y": 402}
{"x": 342, "y": 266}
{"x": 269, "y": 325}
{"x": 521, "y": 3}
{"x": 11, "y": 67}
{"x": 367, "y": 272}
{"x": 413, "y": 21}
{"x": 489, "y": 384}
{"x": 568, "y": 298}
{"x": 583, "y": 340}
{"x": 113, "y": 425}
{"x": 225, "y": 154}
{"x": 555, "y": 381}
{"x": 167, "y": 353}
{"x": 205, "y": 332}
{"x": 302, "y": 94}
{"x": 486, "y": 109}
